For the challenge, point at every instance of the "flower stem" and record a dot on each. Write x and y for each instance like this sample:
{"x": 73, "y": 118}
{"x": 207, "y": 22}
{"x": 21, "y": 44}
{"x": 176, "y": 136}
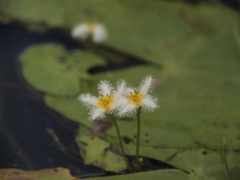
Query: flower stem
{"x": 120, "y": 142}
{"x": 138, "y": 138}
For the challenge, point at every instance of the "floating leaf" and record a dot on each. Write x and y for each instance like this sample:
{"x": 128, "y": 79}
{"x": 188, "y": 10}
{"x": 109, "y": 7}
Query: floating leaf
{"x": 193, "y": 127}
{"x": 70, "y": 107}
{"x": 97, "y": 152}
{"x": 142, "y": 28}
{"x": 52, "y": 69}
{"x": 63, "y": 174}
{"x": 168, "y": 174}
{"x": 46, "y": 174}
{"x": 207, "y": 164}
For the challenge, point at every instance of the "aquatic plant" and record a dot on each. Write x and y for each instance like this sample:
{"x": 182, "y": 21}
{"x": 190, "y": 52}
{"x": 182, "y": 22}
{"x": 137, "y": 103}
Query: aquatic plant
{"x": 136, "y": 99}
{"x": 125, "y": 100}
{"x": 97, "y": 32}
{"x": 108, "y": 101}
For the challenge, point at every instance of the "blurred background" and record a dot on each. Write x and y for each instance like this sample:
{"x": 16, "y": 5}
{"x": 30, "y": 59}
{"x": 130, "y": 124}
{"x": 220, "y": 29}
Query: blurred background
{"x": 47, "y": 58}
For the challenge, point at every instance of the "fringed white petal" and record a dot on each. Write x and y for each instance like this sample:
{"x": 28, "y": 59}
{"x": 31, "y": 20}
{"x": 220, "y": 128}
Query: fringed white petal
{"x": 118, "y": 104}
{"x": 128, "y": 90}
{"x": 115, "y": 105}
{"x": 80, "y": 31}
{"x": 146, "y": 85}
{"x": 87, "y": 100}
{"x": 121, "y": 86}
{"x": 99, "y": 34}
{"x": 96, "y": 113}
{"x": 104, "y": 87}
{"x": 120, "y": 99}
{"x": 149, "y": 103}
{"x": 127, "y": 110}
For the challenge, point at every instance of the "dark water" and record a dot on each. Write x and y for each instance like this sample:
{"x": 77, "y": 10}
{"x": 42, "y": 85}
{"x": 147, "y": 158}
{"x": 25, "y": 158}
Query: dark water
{"x": 24, "y": 119}
{"x": 233, "y": 4}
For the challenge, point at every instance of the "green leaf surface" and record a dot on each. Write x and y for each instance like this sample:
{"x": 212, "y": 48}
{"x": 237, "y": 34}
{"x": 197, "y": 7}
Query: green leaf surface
{"x": 208, "y": 164}
{"x": 141, "y": 27}
{"x": 188, "y": 122}
{"x": 70, "y": 107}
{"x": 52, "y": 69}
{"x": 96, "y": 151}
{"x": 64, "y": 174}
{"x": 169, "y": 174}
{"x": 46, "y": 174}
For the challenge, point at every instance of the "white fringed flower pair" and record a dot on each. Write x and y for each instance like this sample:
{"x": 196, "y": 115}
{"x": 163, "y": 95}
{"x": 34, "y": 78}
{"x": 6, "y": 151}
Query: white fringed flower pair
{"x": 124, "y": 100}
{"x": 97, "y": 31}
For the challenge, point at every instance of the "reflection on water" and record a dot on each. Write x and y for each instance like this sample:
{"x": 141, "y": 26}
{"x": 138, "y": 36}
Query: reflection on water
{"x": 24, "y": 119}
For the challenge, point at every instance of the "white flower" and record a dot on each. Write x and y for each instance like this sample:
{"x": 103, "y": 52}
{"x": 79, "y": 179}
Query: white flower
{"x": 80, "y": 31}
{"x": 99, "y": 34}
{"x": 106, "y": 103}
{"x": 135, "y": 98}
{"x": 83, "y": 31}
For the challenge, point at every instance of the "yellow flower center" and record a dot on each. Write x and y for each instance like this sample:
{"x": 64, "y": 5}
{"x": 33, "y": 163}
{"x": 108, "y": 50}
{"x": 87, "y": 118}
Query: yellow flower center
{"x": 91, "y": 27}
{"x": 136, "y": 98}
{"x": 105, "y": 102}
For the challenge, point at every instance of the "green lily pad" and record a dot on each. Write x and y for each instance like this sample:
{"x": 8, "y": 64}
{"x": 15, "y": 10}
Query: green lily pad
{"x": 188, "y": 115}
{"x": 168, "y": 174}
{"x": 75, "y": 111}
{"x": 64, "y": 174}
{"x": 149, "y": 24}
{"x": 97, "y": 152}
{"x": 46, "y": 174}
{"x": 51, "y": 69}
{"x": 207, "y": 164}
{"x": 194, "y": 127}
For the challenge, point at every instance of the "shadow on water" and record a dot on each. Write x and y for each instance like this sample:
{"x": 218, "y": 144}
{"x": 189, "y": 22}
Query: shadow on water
{"x": 27, "y": 127}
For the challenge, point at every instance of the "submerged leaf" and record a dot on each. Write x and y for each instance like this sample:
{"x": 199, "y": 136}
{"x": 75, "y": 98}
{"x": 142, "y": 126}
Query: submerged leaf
{"x": 97, "y": 152}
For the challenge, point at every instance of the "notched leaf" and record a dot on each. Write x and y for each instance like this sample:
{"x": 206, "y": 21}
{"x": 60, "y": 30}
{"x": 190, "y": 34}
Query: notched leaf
{"x": 52, "y": 69}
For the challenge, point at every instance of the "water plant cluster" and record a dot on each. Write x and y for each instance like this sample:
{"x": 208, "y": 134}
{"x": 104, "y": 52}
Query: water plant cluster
{"x": 123, "y": 101}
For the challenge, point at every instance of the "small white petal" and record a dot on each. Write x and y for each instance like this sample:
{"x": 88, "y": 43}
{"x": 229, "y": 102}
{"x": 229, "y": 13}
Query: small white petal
{"x": 149, "y": 103}
{"x": 80, "y": 31}
{"x": 146, "y": 85}
{"x": 128, "y": 90}
{"x": 104, "y": 87}
{"x": 128, "y": 109}
{"x": 117, "y": 104}
{"x": 121, "y": 86}
{"x": 87, "y": 100}
{"x": 96, "y": 113}
{"x": 121, "y": 103}
{"x": 99, "y": 34}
